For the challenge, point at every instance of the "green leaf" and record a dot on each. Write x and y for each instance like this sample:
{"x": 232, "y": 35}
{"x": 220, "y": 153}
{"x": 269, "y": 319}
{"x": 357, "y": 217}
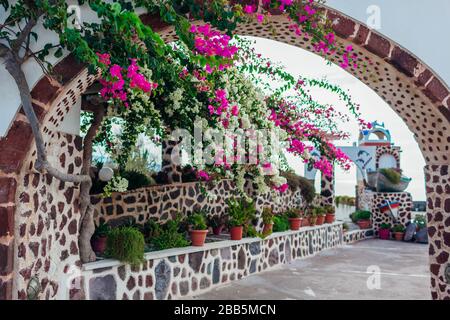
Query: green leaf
{"x": 58, "y": 53}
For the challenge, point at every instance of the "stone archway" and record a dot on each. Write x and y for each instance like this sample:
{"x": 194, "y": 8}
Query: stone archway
{"x": 412, "y": 89}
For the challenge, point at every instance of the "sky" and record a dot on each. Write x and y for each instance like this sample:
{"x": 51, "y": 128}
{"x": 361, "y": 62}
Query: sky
{"x": 300, "y": 62}
{"x": 418, "y": 25}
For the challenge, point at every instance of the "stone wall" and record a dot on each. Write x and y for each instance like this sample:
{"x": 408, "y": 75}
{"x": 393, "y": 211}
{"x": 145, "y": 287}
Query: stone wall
{"x": 357, "y": 235}
{"x": 47, "y": 219}
{"x": 438, "y": 216}
{"x": 164, "y": 201}
{"x": 327, "y": 190}
{"x": 379, "y": 198}
{"x": 191, "y": 271}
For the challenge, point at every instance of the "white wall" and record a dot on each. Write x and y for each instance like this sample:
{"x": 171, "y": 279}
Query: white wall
{"x": 10, "y": 100}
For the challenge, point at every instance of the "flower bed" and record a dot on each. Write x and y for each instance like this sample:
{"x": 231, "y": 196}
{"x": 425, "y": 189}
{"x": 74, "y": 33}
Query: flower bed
{"x": 180, "y": 272}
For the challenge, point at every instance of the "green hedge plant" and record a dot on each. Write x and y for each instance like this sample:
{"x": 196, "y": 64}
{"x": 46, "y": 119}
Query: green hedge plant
{"x": 280, "y": 223}
{"x": 168, "y": 235}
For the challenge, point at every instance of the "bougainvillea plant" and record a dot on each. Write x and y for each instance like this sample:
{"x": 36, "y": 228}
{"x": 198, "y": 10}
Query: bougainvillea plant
{"x": 148, "y": 83}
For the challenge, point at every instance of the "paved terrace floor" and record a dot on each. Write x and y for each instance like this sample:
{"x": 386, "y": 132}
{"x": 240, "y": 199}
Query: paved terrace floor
{"x": 340, "y": 273}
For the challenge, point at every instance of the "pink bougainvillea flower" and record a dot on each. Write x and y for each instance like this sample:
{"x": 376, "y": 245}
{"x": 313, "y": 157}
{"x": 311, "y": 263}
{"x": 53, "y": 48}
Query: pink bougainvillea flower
{"x": 116, "y": 71}
{"x": 104, "y": 58}
{"x": 260, "y": 18}
{"x": 283, "y": 188}
{"x": 248, "y": 9}
{"x": 203, "y": 175}
{"x": 309, "y": 10}
{"x": 235, "y": 111}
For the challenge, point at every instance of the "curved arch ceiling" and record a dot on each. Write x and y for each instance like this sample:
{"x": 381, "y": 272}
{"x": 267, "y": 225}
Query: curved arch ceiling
{"x": 399, "y": 20}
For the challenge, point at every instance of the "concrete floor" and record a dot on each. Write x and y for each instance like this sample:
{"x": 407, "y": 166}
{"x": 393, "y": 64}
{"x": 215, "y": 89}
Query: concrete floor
{"x": 342, "y": 274}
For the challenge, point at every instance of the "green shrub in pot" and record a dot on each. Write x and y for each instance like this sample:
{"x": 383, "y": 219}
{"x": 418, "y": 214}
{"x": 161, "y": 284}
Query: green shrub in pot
{"x": 126, "y": 244}
{"x": 280, "y": 223}
{"x": 169, "y": 236}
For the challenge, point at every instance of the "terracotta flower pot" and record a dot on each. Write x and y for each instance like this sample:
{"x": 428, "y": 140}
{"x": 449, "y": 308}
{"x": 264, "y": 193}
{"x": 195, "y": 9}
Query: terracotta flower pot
{"x": 236, "y": 233}
{"x": 267, "y": 228}
{"x": 99, "y": 244}
{"x": 384, "y": 234}
{"x": 364, "y": 224}
{"x": 305, "y": 222}
{"x": 198, "y": 237}
{"x": 312, "y": 221}
{"x": 399, "y": 236}
{"x": 329, "y": 217}
{"x": 295, "y": 223}
{"x": 320, "y": 220}
{"x": 218, "y": 230}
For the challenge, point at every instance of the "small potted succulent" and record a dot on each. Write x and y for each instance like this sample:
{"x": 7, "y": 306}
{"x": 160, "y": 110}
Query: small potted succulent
{"x": 344, "y": 227}
{"x": 267, "y": 217}
{"x": 330, "y": 214}
{"x": 320, "y": 212}
{"x": 363, "y": 219}
{"x": 385, "y": 231}
{"x": 198, "y": 228}
{"x": 295, "y": 218}
{"x": 305, "y": 221}
{"x": 100, "y": 237}
{"x": 421, "y": 221}
{"x": 312, "y": 216}
{"x": 217, "y": 223}
{"x": 399, "y": 232}
{"x": 240, "y": 211}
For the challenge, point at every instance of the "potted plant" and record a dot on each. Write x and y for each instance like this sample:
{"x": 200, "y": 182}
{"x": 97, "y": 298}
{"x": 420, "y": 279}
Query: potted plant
{"x": 330, "y": 214}
{"x": 363, "y": 219}
{"x": 267, "y": 217}
{"x": 295, "y": 218}
{"x": 320, "y": 213}
{"x": 306, "y": 216}
{"x": 399, "y": 232}
{"x": 385, "y": 231}
{"x": 198, "y": 228}
{"x": 126, "y": 244}
{"x": 240, "y": 212}
{"x": 312, "y": 216}
{"x": 345, "y": 227}
{"x": 100, "y": 237}
{"x": 421, "y": 221}
{"x": 217, "y": 223}
{"x": 280, "y": 223}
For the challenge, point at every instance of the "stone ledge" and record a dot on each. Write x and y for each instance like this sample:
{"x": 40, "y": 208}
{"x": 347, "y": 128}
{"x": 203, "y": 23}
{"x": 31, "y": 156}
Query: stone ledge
{"x": 107, "y": 263}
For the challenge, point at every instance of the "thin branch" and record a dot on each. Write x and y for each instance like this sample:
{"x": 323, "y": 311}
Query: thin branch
{"x": 23, "y": 35}
{"x": 4, "y": 50}
{"x": 12, "y": 64}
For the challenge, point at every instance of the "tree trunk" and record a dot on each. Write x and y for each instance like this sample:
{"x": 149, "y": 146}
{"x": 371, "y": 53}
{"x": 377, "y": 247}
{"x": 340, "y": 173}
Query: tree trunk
{"x": 87, "y": 226}
{"x": 13, "y": 65}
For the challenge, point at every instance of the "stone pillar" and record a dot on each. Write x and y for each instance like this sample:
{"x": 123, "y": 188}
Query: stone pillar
{"x": 327, "y": 190}
{"x": 7, "y": 209}
{"x": 437, "y": 179}
{"x": 380, "y": 198}
{"x": 171, "y": 156}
